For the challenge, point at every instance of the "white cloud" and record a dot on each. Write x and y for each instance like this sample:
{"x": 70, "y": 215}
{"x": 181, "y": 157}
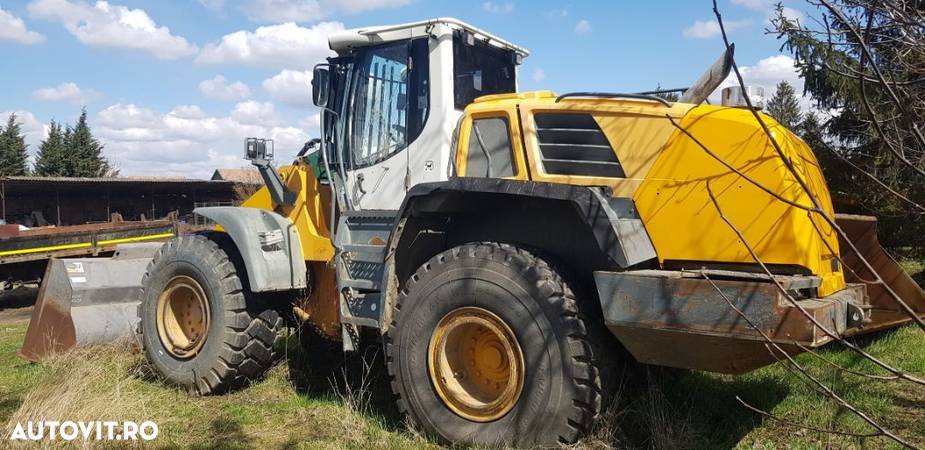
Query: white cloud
{"x": 792, "y": 14}
{"x": 66, "y": 92}
{"x": 280, "y": 46}
{"x": 767, "y": 73}
{"x": 497, "y": 8}
{"x": 292, "y": 87}
{"x": 768, "y": 7}
{"x": 539, "y": 75}
{"x": 12, "y": 28}
{"x": 113, "y": 26}
{"x": 583, "y": 26}
{"x": 188, "y": 112}
{"x": 770, "y": 71}
{"x": 254, "y": 113}
{"x": 188, "y": 142}
{"x": 312, "y": 122}
{"x": 219, "y": 88}
{"x": 705, "y": 29}
{"x": 311, "y": 10}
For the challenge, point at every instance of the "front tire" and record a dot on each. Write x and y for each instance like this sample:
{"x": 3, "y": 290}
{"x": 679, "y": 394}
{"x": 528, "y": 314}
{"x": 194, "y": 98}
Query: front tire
{"x": 520, "y": 370}
{"x": 200, "y": 327}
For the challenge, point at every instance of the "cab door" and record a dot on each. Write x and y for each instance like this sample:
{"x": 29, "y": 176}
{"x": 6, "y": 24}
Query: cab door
{"x": 385, "y": 118}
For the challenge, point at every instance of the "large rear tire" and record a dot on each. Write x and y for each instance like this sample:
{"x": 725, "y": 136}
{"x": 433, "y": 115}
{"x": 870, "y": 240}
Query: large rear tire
{"x": 200, "y": 327}
{"x": 488, "y": 346}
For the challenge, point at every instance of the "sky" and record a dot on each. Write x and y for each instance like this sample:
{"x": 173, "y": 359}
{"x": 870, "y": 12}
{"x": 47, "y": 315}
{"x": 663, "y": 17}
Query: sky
{"x": 173, "y": 87}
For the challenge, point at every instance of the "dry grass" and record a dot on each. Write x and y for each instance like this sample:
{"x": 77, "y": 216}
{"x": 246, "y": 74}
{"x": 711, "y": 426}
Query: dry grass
{"x": 113, "y": 383}
{"x": 653, "y": 409}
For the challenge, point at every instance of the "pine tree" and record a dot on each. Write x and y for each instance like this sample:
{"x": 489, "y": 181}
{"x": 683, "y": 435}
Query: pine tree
{"x": 52, "y": 160}
{"x": 784, "y": 106}
{"x": 85, "y": 152}
{"x": 13, "y": 155}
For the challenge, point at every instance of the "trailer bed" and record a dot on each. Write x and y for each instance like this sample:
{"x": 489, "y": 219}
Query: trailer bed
{"x": 78, "y": 240}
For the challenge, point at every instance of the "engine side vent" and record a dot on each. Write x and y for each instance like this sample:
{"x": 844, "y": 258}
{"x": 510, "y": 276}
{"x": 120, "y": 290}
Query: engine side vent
{"x": 573, "y": 144}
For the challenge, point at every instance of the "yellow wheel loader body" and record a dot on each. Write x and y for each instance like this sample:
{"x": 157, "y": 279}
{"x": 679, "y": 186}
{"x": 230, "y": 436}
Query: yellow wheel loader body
{"x": 309, "y": 213}
{"x": 666, "y": 175}
{"x": 686, "y": 226}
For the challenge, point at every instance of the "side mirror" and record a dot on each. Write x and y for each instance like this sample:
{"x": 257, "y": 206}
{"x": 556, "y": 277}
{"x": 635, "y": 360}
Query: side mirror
{"x": 321, "y": 82}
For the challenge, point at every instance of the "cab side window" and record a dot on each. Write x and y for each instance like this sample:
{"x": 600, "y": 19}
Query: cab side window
{"x": 391, "y": 101}
{"x": 480, "y": 68}
{"x": 490, "y": 153}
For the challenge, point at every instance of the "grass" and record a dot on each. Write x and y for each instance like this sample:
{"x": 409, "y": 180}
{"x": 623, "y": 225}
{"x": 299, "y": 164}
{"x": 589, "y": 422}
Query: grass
{"x": 654, "y": 409}
{"x": 701, "y": 410}
{"x": 113, "y": 383}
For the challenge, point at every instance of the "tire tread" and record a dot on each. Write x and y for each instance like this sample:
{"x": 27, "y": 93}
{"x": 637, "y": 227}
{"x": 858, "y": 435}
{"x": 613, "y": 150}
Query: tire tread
{"x": 252, "y": 327}
{"x": 585, "y": 379}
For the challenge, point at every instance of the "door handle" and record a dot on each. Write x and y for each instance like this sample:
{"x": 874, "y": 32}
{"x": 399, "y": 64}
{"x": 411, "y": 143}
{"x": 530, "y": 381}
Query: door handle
{"x": 360, "y": 179}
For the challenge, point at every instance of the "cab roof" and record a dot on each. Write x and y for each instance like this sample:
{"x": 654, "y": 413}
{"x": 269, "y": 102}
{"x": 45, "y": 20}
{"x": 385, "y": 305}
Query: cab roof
{"x": 347, "y": 40}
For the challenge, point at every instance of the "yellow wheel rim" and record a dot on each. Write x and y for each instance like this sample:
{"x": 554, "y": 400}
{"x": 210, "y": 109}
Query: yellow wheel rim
{"x": 476, "y": 364}
{"x": 183, "y": 317}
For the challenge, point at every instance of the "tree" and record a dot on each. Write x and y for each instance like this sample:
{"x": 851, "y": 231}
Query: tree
{"x": 784, "y": 106}
{"x": 863, "y": 61}
{"x": 85, "y": 152}
{"x": 52, "y": 160}
{"x": 13, "y": 155}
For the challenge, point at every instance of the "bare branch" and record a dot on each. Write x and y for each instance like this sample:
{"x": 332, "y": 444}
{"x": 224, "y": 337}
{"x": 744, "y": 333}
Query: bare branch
{"x": 817, "y": 206}
{"x": 831, "y": 394}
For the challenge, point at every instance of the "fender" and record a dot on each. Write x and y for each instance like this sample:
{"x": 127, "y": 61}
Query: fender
{"x": 268, "y": 244}
{"x": 614, "y": 222}
{"x": 586, "y": 228}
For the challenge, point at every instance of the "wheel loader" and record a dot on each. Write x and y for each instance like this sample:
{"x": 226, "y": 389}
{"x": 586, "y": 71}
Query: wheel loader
{"x": 501, "y": 246}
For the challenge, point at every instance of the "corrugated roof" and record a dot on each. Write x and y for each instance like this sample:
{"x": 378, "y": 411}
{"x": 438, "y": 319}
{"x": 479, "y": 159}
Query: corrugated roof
{"x": 248, "y": 176}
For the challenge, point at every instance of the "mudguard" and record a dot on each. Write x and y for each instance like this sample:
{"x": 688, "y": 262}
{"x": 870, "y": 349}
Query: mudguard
{"x": 614, "y": 222}
{"x": 268, "y": 244}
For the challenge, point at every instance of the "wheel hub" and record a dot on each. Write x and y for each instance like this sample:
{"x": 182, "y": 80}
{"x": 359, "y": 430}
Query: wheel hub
{"x": 183, "y": 317}
{"x": 476, "y": 364}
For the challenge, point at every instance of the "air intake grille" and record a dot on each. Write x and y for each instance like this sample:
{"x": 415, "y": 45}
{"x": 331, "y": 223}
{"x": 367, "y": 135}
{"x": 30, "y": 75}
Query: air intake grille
{"x": 573, "y": 144}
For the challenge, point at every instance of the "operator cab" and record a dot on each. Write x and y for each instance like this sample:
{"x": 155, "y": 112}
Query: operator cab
{"x": 391, "y": 100}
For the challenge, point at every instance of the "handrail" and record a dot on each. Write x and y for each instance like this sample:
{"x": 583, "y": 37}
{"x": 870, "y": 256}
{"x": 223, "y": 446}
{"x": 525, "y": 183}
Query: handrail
{"x": 615, "y": 95}
{"x": 664, "y": 91}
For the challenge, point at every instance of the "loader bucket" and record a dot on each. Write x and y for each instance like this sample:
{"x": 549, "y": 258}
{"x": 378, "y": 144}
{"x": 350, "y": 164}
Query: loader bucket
{"x": 885, "y": 312}
{"x": 85, "y": 301}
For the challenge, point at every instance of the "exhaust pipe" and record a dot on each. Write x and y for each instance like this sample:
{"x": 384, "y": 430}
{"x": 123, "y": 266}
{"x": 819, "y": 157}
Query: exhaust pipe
{"x": 710, "y": 80}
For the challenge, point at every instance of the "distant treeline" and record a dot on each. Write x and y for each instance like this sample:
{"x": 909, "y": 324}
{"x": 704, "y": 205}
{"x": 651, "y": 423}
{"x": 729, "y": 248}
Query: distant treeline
{"x": 67, "y": 151}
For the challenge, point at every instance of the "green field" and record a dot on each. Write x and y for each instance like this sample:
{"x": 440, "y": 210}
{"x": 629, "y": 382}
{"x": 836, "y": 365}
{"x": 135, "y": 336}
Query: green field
{"x": 655, "y": 409}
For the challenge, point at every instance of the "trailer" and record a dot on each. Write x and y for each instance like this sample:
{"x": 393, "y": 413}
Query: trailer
{"x": 25, "y": 253}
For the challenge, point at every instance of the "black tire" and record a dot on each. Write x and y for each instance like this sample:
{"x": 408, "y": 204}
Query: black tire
{"x": 561, "y": 396}
{"x": 244, "y": 331}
